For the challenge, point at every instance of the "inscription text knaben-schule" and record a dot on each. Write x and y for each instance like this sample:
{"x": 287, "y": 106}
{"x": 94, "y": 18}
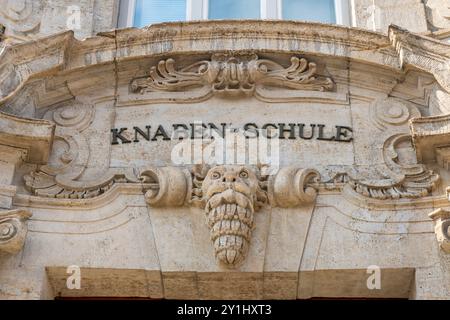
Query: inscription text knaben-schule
{"x": 181, "y": 131}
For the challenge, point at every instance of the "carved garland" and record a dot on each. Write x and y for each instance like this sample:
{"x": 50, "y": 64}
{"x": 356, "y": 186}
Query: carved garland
{"x": 232, "y": 74}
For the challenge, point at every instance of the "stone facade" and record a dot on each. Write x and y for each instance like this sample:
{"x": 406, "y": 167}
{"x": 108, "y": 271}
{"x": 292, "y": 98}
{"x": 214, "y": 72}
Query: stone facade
{"x": 89, "y": 183}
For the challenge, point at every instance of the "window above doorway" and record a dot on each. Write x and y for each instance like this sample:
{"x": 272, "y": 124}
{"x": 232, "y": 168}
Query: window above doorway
{"x": 140, "y": 13}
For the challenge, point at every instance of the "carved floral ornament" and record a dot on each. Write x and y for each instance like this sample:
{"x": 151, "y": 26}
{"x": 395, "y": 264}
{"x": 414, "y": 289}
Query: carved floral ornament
{"x": 230, "y": 196}
{"x": 232, "y": 73}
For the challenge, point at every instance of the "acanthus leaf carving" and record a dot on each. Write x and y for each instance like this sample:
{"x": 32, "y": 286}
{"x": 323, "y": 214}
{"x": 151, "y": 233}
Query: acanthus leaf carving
{"x": 13, "y": 230}
{"x": 393, "y": 179}
{"x": 238, "y": 73}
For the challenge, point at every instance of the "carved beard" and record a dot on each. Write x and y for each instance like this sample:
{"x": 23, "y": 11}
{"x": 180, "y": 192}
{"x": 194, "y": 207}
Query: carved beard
{"x": 229, "y": 215}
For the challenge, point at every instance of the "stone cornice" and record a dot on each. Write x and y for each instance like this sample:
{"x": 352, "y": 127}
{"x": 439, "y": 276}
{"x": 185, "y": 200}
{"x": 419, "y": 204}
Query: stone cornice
{"x": 24, "y": 62}
{"x": 62, "y": 52}
{"x": 430, "y": 134}
{"x": 440, "y": 34}
{"x": 422, "y": 52}
{"x": 35, "y": 136}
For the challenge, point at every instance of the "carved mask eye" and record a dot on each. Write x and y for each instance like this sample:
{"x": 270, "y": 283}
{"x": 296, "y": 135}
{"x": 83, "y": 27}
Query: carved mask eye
{"x": 243, "y": 174}
{"x": 215, "y": 175}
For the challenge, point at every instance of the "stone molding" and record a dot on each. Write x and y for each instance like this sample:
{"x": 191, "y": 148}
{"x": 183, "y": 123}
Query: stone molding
{"x": 61, "y": 181}
{"x": 34, "y": 60}
{"x": 392, "y": 112}
{"x": 21, "y": 139}
{"x": 63, "y": 52}
{"x": 293, "y": 187}
{"x": 68, "y": 206}
{"x": 58, "y": 178}
{"x": 403, "y": 180}
{"x": 33, "y": 135}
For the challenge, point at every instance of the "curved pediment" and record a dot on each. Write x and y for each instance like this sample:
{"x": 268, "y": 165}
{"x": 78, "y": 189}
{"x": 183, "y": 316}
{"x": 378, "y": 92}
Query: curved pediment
{"x": 41, "y": 73}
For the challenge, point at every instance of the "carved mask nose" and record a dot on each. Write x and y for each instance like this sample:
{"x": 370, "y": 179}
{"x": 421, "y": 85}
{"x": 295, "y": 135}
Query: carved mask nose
{"x": 229, "y": 178}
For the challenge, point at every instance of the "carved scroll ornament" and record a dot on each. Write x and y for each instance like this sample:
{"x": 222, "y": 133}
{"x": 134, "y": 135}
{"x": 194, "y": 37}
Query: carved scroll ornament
{"x": 238, "y": 73}
{"x": 13, "y": 230}
{"x": 70, "y": 156}
{"x": 441, "y": 218}
{"x": 230, "y": 195}
{"x": 391, "y": 180}
{"x": 391, "y": 112}
{"x": 21, "y": 17}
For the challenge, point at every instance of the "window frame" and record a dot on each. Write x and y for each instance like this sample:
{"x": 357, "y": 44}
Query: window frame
{"x": 269, "y": 10}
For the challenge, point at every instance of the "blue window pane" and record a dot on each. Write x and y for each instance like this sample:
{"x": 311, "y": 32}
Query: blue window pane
{"x": 309, "y": 10}
{"x": 156, "y": 11}
{"x": 234, "y": 9}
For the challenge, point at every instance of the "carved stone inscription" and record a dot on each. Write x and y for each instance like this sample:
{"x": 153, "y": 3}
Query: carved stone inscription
{"x": 196, "y": 131}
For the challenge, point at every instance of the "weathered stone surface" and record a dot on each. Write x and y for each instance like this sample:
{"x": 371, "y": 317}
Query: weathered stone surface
{"x": 27, "y": 20}
{"x": 13, "y": 230}
{"x": 377, "y": 15}
{"x": 438, "y": 14}
{"x": 363, "y": 161}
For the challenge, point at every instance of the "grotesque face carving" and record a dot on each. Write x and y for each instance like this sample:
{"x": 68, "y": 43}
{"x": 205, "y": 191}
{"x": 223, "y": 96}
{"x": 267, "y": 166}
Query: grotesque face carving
{"x": 231, "y": 194}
